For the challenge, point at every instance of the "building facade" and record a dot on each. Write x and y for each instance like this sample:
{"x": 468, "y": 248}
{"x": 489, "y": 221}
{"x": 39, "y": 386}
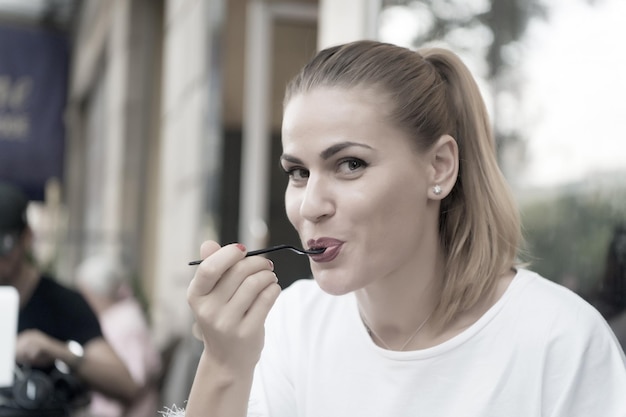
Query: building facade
{"x": 173, "y": 125}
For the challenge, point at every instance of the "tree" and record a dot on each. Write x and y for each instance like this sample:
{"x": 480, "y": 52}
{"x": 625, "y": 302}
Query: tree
{"x": 490, "y": 30}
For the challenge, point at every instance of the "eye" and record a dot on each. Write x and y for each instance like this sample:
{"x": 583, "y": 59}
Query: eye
{"x": 296, "y": 173}
{"x": 350, "y": 165}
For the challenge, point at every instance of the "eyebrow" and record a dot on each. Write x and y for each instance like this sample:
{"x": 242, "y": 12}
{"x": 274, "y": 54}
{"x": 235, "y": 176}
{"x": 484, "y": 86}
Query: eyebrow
{"x": 328, "y": 152}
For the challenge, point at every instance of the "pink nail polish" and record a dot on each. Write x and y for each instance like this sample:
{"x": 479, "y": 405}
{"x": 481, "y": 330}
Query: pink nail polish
{"x": 241, "y": 247}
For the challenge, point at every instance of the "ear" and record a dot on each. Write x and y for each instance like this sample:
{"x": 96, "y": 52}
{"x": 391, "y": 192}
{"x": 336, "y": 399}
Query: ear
{"x": 444, "y": 164}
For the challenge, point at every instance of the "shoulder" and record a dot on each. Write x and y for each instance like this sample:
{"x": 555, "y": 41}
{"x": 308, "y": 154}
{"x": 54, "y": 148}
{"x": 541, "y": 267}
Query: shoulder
{"x": 575, "y": 348}
{"x": 74, "y": 318}
{"x": 53, "y": 289}
{"x": 558, "y": 314}
{"x": 544, "y": 297}
{"x": 127, "y": 309}
{"x": 49, "y": 294}
{"x": 64, "y": 297}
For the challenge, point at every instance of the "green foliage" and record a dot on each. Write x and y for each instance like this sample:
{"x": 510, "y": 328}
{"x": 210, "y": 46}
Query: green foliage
{"x": 567, "y": 236}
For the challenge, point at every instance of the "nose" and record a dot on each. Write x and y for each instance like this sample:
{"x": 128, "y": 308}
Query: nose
{"x": 317, "y": 200}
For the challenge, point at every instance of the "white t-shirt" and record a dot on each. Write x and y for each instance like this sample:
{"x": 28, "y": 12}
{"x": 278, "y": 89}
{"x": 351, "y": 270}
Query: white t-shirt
{"x": 539, "y": 351}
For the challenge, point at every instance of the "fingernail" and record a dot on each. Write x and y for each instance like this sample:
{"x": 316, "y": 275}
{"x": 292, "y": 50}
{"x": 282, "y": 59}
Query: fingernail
{"x": 271, "y": 264}
{"x": 241, "y": 247}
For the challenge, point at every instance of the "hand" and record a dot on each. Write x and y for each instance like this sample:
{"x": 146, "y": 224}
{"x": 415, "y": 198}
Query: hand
{"x": 36, "y": 348}
{"x": 230, "y": 296}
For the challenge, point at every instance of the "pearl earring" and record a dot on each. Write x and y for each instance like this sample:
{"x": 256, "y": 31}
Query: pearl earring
{"x": 437, "y": 189}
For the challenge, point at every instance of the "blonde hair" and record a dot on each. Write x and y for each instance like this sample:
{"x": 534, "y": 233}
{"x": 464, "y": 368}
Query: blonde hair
{"x": 433, "y": 93}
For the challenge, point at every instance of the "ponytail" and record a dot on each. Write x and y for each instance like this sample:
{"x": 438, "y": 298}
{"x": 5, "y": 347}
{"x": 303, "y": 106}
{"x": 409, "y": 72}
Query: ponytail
{"x": 479, "y": 221}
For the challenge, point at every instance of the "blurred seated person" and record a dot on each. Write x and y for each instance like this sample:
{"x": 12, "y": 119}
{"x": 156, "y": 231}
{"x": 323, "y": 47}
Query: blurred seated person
{"x": 56, "y": 326}
{"x": 104, "y": 283}
{"x": 610, "y": 298}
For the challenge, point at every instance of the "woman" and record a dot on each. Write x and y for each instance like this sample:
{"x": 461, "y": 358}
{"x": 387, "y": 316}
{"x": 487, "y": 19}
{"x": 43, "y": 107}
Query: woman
{"x": 417, "y": 306}
{"x": 105, "y": 283}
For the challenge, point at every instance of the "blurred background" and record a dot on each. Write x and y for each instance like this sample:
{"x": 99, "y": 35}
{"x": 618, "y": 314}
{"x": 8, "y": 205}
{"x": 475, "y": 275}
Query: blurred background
{"x": 143, "y": 127}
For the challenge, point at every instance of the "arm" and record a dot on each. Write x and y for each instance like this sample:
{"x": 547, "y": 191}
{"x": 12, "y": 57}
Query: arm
{"x": 230, "y": 296}
{"x": 104, "y": 371}
{"x": 100, "y": 367}
{"x": 218, "y": 389}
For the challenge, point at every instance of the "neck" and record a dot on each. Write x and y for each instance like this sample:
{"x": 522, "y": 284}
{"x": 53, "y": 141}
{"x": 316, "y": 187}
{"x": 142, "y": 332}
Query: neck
{"x": 27, "y": 281}
{"x": 381, "y": 341}
{"x": 398, "y": 303}
{"x": 101, "y": 303}
{"x": 395, "y": 308}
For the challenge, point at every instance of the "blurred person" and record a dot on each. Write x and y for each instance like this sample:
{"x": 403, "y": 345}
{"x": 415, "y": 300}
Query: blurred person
{"x": 57, "y": 330}
{"x": 610, "y": 297}
{"x": 618, "y": 324}
{"x": 418, "y": 304}
{"x": 104, "y": 282}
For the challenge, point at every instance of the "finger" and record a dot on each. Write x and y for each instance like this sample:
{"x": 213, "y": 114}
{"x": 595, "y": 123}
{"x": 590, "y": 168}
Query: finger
{"x": 238, "y": 274}
{"x": 247, "y": 293}
{"x": 213, "y": 267}
{"x": 260, "y": 308}
{"x": 208, "y": 248}
{"x": 213, "y": 307}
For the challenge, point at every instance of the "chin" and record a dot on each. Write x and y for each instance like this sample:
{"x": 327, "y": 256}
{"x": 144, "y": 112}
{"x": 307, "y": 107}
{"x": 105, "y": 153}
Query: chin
{"x": 334, "y": 283}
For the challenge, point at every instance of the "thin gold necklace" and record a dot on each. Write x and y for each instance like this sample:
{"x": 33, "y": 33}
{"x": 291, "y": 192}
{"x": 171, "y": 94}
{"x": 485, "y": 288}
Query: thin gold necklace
{"x": 371, "y": 331}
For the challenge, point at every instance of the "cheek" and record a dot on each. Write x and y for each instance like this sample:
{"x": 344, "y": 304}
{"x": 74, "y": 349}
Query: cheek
{"x": 292, "y": 207}
{"x": 397, "y": 211}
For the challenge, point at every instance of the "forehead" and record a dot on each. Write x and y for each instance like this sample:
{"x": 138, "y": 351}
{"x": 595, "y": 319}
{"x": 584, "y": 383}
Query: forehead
{"x": 327, "y": 118}
{"x": 335, "y": 109}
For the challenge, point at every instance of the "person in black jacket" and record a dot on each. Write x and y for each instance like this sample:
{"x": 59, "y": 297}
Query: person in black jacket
{"x": 57, "y": 330}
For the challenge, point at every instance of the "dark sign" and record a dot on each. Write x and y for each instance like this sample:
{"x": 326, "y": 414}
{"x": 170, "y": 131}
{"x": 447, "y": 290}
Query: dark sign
{"x": 33, "y": 92}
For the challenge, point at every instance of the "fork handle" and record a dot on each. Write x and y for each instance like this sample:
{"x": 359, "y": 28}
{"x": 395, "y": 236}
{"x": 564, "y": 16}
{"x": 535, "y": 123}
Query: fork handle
{"x": 253, "y": 252}
{"x": 266, "y": 250}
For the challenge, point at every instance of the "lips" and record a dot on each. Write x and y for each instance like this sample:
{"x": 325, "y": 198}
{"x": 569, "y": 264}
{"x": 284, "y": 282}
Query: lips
{"x": 332, "y": 246}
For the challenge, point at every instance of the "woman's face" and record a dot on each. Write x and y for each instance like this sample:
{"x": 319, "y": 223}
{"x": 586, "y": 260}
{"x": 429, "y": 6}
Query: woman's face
{"x": 357, "y": 187}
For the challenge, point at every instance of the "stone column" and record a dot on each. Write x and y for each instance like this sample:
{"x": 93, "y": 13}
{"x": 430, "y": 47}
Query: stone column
{"x": 189, "y": 158}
